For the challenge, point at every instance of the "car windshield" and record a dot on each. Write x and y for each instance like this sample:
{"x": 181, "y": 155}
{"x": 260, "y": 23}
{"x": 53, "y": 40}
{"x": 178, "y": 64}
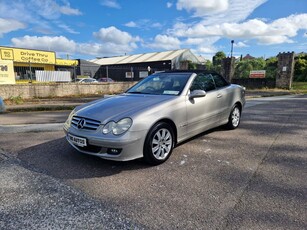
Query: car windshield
{"x": 161, "y": 84}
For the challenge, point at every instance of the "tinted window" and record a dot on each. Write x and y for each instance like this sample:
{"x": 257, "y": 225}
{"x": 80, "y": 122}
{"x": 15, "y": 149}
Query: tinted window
{"x": 219, "y": 81}
{"x": 203, "y": 82}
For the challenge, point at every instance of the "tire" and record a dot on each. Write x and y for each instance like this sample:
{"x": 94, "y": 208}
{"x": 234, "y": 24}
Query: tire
{"x": 234, "y": 118}
{"x": 159, "y": 144}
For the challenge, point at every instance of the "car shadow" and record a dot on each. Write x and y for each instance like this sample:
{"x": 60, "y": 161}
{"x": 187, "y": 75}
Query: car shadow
{"x": 58, "y": 159}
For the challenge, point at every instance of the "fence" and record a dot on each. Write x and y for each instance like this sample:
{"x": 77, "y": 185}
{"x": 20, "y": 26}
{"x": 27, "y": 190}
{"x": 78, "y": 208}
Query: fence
{"x": 255, "y": 83}
{"x": 52, "y": 76}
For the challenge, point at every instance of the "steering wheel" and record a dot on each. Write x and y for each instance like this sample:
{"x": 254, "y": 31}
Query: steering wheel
{"x": 150, "y": 88}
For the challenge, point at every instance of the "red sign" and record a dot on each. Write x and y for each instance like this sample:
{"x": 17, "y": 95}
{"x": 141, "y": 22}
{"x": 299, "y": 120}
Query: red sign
{"x": 257, "y": 74}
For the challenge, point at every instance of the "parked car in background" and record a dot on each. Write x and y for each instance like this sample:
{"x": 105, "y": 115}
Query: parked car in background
{"x": 87, "y": 80}
{"x": 156, "y": 114}
{"x": 105, "y": 79}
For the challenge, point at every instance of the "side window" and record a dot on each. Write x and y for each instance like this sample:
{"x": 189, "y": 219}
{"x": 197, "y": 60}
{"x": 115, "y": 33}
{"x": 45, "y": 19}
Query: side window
{"x": 203, "y": 82}
{"x": 219, "y": 81}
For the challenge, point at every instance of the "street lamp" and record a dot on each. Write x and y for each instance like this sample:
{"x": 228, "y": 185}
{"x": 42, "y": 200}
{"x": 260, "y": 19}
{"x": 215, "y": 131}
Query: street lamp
{"x": 232, "y": 41}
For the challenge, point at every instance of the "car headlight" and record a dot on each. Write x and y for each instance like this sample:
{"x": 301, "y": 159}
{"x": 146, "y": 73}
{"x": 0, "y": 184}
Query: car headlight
{"x": 117, "y": 128}
{"x": 68, "y": 121}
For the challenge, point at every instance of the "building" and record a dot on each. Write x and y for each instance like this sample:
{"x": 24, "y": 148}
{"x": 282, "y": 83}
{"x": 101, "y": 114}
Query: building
{"x": 23, "y": 63}
{"x": 138, "y": 66}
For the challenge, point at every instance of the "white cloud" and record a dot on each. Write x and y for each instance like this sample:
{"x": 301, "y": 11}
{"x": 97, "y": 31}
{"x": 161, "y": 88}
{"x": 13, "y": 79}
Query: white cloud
{"x": 112, "y": 41}
{"x": 276, "y": 32}
{"x": 68, "y": 29}
{"x": 203, "y": 8}
{"x": 131, "y": 24}
{"x": 9, "y": 25}
{"x": 165, "y": 42}
{"x": 144, "y": 24}
{"x": 50, "y": 9}
{"x": 40, "y": 16}
{"x": 67, "y": 10}
{"x": 240, "y": 45}
{"x": 114, "y": 35}
{"x": 111, "y": 4}
{"x": 102, "y": 50}
{"x": 276, "y": 39}
{"x": 57, "y": 43}
{"x": 169, "y": 4}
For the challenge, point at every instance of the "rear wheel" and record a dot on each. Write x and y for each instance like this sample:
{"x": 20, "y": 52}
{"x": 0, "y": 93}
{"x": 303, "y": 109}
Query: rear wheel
{"x": 159, "y": 143}
{"x": 234, "y": 118}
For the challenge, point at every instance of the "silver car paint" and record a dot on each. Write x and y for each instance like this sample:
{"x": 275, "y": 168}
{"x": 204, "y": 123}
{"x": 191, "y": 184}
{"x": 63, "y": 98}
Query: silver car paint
{"x": 189, "y": 116}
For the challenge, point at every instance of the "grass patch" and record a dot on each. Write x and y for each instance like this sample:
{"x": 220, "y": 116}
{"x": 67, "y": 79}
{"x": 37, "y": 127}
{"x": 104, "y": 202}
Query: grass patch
{"x": 42, "y": 108}
{"x": 299, "y": 86}
{"x": 18, "y": 100}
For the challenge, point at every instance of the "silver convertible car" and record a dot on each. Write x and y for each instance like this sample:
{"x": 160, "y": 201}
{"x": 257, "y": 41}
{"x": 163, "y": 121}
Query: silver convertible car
{"x": 152, "y": 117}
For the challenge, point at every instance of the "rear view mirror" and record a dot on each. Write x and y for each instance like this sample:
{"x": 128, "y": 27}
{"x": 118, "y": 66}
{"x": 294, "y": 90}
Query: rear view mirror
{"x": 197, "y": 94}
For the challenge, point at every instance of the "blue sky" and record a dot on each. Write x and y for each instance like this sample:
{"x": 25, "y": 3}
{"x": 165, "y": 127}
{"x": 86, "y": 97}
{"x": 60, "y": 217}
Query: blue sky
{"x": 101, "y": 28}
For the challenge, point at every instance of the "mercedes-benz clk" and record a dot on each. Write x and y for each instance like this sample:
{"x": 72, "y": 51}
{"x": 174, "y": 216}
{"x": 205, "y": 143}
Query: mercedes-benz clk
{"x": 153, "y": 116}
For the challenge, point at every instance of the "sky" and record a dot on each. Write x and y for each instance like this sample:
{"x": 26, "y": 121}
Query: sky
{"x": 88, "y": 29}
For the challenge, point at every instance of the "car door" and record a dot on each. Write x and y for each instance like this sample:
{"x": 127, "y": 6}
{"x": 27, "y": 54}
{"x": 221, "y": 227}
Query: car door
{"x": 202, "y": 112}
{"x": 225, "y": 96}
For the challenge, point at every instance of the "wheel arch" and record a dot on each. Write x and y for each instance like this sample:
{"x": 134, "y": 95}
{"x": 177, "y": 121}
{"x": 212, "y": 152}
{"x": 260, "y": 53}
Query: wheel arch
{"x": 239, "y": 104}
{"x": 171, "y": 123}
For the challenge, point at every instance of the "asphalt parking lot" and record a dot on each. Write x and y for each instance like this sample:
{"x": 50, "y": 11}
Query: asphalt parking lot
{"x": 253, "y": 177}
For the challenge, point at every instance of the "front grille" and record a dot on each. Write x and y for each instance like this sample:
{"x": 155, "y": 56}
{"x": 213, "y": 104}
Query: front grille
{"x": 84, "y": 123}
{"x": 91, "y": 148}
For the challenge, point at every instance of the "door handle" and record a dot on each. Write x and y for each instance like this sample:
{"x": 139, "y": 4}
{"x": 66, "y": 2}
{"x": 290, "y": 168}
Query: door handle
{"x": 219, "y": 96}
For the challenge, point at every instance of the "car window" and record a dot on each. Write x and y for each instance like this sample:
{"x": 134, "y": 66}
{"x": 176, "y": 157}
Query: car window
{"x": 219, "y": 81}
{"x": 203, "y": 82}
{"x": 161, "y": 84}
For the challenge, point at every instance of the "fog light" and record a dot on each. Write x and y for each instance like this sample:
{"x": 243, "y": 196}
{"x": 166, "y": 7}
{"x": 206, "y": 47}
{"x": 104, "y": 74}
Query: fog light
{"x": 113, "y": 151}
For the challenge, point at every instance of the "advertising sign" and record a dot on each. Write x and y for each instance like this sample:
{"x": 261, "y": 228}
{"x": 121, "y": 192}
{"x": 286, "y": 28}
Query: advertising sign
{"x": 26, "y": 56}
{"x": 257, "y": 74}
{"x": 7, "y": 72}
{"x": 65, "y": 62}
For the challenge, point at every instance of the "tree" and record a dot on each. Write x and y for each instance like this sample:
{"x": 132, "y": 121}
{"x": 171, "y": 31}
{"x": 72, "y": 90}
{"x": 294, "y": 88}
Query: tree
{"x": 300, "y": 67}
{"x": 217, "y": 61}
{"x": 244, "y": 67}
{"x": 271, "y": 67}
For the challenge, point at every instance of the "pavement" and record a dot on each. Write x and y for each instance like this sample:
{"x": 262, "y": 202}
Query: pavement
{"x": 209, "y": 183}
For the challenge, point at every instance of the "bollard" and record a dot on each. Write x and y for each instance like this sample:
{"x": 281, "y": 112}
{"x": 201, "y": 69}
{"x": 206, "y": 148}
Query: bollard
{"x": 2, "y": 106}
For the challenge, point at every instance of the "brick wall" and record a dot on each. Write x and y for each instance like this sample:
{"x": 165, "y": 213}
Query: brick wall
{"x": 28, "y": 91}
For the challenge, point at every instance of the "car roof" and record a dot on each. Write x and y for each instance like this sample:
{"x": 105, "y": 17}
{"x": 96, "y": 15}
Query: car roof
{"x": 191, "y": 71}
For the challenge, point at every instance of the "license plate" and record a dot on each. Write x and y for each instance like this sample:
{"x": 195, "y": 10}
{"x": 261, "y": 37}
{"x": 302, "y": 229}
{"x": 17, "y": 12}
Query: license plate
{"x": 79, "y": 141}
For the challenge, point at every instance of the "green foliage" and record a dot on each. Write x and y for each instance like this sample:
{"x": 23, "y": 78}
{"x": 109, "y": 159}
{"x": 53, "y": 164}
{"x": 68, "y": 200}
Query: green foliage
{"x": 217, "y": 58}
{"x": 299, "y": 86}
{"x": 217, "y": 61}
{"x": 271, "y": 67}
{"x": 300, "y": 68}
{"x": 244, "y": 67}
{"x": 209, "y": 65}
{"x": 17, "y": 100}
{"x": 192, "y": 65}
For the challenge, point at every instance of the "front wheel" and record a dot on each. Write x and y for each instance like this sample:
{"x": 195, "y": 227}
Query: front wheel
{"x": 234, "y": 118}
{"x": 159, "y": 143}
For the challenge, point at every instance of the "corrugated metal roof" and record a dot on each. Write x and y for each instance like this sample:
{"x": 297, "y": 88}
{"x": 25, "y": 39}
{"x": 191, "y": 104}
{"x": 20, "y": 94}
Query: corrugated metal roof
{"x": 139, "y": 58}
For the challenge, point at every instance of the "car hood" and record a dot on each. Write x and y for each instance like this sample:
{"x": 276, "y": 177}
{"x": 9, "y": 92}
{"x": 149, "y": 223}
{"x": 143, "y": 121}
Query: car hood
{"x": 121, "y": 106}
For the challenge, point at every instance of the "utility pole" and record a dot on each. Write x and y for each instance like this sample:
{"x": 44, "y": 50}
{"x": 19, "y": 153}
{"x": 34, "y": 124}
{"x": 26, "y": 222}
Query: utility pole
{"x": 232, "y": 41}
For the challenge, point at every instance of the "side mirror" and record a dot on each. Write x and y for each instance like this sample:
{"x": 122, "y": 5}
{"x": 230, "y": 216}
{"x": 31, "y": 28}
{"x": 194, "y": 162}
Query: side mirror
{"x": 197, "y": 93}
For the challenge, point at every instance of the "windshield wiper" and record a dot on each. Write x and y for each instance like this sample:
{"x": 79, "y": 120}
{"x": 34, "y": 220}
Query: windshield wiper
{"x": 136, "y": 92}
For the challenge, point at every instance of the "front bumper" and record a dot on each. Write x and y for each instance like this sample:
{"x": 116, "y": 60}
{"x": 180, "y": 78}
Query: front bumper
{"x": 129, "y": 146}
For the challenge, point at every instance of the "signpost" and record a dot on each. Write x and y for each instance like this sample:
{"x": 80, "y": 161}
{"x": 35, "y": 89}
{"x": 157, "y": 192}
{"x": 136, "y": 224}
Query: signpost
{"x": 257, "y": 74}
{"x": 7, "y": 72}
